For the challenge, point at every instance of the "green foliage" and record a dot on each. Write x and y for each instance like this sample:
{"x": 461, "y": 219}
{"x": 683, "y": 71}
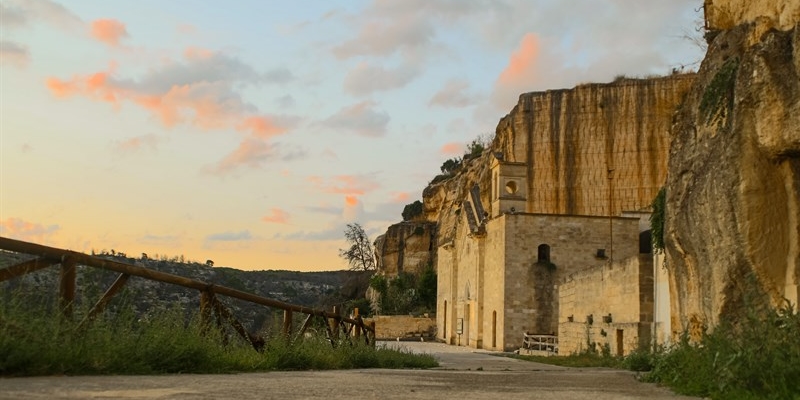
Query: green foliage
{"x": 474, "y": 149}
{"x": 758, "y": 358}
{"x": 35, "y": 341}
{"x": 450, "y": 166}
{"x": 413, "y": 210}
{"x": 360, "y": 255}
{"x": 717, "y": 101}
{"x": 659, "y": 206}
{"x": 584, "y": 359}
{"x": 427, "y": 288}
{"x": 405, "y": 293}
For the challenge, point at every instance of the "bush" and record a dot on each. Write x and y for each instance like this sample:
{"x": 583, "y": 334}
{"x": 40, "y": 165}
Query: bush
{"x": 413, "y": 210}
{"x": 758, "y": 358}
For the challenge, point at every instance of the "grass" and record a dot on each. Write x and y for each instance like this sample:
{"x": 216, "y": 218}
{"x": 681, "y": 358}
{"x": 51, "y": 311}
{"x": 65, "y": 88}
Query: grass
{"x": 34, "y": 341}
{"x": 756, "y": 358}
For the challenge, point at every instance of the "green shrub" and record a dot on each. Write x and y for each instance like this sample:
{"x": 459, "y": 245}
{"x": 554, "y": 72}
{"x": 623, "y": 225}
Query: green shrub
{"x": 757, "y": 358}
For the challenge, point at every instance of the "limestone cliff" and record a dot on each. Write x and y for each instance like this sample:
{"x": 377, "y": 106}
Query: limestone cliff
{"x": 733, "y": 191}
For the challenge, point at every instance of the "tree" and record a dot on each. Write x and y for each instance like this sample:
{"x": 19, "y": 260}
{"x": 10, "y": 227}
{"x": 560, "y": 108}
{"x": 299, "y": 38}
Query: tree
{"x": 360, "y": 255}
{"x": 413, "y": 210}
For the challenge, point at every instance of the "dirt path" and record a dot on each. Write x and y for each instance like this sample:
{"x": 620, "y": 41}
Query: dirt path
{"x": 464, "y": 374}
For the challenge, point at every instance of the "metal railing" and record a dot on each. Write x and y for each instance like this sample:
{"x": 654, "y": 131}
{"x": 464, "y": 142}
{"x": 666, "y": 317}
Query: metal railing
{"x": 210, "y": 305}
{"x": 544, "y": 343}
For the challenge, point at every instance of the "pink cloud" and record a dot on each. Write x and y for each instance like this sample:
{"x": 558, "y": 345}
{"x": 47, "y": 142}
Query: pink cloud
{"x": 351, "y": 201}
{"x": 452, "y": 149}
{"x": 349, "y": 185}
{"x": 260, "y": 127}
{"x": 251, "y": 152}
{"x": 400, "y": 197}
{"x": 520, "y": 75}
{"x": 137, "y": 143}
{"x": 522, "y": 62}
{"x": 108, "y": 31}
{"x": 23, "y": 230}
{"x": 201, "y": 91}
{"x": 277, "y": 216}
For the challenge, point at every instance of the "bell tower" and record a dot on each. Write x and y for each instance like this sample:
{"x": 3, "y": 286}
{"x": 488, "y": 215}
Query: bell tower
{"x": 509, "y": 186}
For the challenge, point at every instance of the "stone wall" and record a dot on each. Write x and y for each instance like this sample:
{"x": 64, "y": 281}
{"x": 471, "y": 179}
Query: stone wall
{"x": 610, "y": 305}
{"x": 725, "y": 14}
{"x": 531, "y": 300}
{"x": 391, "y": 327}
{"x": 499, "y": 289}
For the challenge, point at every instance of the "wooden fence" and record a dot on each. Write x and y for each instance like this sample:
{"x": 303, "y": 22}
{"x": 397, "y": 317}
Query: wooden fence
{"x": 336, "y": 324}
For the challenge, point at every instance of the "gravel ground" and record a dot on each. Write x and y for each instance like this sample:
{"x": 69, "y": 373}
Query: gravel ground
{"x": 463, "y": 374}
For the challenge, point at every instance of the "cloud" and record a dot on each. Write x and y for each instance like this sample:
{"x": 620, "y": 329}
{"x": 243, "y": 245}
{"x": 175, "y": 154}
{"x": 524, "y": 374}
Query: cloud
{"x": 136, "y": 143}
{"x": 230, "y": 236}
{"x": 360, "y": 118}
{"x": 285, "y": 101}
{"x": 383, "y": 37}
{"x": 452, "y": 149}
{"x": 453, "y": 94}
{"x": 276, "y": 216}
{"x": 14, "y": 54}
{"x": 348, "y": 185}
{"x": 108, "y": 31}
{"x": 352, "y": 211}
{"x": 29, "y": 231}
{"x": 365, "y": 78}
{"x": 22, "y": 13}
{"x": 204, "y": 90}
{"x": 12, "y": 17}
{"x": 400, "y": 197}
{"x": 253, "y": 153}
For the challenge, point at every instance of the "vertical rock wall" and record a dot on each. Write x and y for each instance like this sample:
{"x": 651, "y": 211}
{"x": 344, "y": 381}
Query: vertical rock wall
{"x": 570, "y": 139}
{"x": 733, "y": 192}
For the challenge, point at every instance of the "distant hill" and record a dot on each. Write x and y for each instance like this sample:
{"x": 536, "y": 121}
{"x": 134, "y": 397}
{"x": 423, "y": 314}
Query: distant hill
{"x": 311, "y": 289}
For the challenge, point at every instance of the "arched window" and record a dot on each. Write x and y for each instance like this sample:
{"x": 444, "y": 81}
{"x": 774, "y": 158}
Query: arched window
{"x": 543, "y": 253}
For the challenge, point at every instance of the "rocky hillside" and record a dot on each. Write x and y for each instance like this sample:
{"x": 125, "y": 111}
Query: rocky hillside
{"x": 313, "y": 289}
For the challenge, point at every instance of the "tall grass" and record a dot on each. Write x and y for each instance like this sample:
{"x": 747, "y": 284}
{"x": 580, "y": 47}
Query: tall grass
{"x": 758, "y": 358}
{"x": 34, "y": 341}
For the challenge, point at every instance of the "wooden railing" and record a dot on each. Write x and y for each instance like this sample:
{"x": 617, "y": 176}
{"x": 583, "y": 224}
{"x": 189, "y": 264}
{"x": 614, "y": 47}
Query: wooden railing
{"x": 544, "y": 343}
{"x": 349, "y": 328}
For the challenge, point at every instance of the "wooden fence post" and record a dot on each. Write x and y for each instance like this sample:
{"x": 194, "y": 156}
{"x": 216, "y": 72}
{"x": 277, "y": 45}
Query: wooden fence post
{"x": 206, "y": 307}
{"x": 66, "y": 286}
{"x": 336, "y": 321}
{"x": 287, "y": 323}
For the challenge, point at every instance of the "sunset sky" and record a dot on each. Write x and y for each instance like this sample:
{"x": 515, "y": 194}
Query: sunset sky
{"x": 250, "y": 132}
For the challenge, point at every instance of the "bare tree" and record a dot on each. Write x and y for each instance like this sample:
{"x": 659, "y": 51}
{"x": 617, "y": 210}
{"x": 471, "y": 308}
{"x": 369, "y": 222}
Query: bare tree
{"x": 360, "y": 255}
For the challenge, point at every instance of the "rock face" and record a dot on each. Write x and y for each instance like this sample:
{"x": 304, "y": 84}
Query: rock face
{"x": 733, "y": 191}
{"x": 408, "y": 246}
{"x": 597, "y": 149}
{"x": 726, "y": 14}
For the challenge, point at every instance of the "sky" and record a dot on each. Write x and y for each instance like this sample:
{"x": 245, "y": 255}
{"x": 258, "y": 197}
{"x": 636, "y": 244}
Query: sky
{"x": 251, "y": 132}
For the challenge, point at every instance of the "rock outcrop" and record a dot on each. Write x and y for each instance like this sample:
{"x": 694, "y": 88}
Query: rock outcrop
{"x": 733, "y": 191}
{"x": 408, "y": 246}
